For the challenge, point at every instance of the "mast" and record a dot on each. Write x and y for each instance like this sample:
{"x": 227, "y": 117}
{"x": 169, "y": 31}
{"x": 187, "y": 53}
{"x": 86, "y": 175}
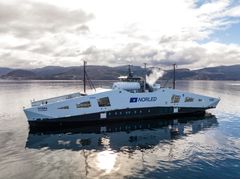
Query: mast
{"x": 84, "y": 76}
{"x": 174, "y": 75}
{"x": 145, "y": 76}
{"x": 129, "y": 71}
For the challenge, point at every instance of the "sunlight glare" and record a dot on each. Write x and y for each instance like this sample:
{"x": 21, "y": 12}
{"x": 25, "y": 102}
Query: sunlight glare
{"x": 106, "y": 160}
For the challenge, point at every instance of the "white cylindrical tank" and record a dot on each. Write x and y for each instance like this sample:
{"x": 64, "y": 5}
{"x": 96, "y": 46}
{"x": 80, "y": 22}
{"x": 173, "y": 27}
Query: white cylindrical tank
{"x": 126, "y": 85}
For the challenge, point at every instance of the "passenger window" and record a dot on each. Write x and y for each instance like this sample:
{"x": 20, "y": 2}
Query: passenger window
{"x": 85, "y": 104}
{"x": 175, "y": 99}
{"x": 102, "y": 102}
{"x": 64, "y": 107}
{"x": 189, "y": 99}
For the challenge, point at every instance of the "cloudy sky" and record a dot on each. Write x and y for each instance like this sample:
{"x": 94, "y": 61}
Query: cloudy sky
{"x": 191, "y": 33}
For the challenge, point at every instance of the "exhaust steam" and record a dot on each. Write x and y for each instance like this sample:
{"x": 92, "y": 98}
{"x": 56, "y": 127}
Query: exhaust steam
{"x": 155, "y": 74}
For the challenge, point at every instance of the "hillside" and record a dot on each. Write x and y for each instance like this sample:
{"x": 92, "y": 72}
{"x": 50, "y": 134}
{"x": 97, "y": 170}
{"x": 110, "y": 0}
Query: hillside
{"x": 20, "y": 75}
{"x": 221, "y": 72}
{"x": 112, "y": 73}
{"x": 4, "y": 71}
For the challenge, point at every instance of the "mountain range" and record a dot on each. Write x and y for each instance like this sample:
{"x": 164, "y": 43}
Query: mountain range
{"x": 112, "y": 73}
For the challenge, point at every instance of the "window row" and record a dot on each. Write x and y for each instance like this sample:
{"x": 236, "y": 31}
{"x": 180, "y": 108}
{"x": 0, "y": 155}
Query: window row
{"x": 102, "y": 102}
{"x": 176, "y": 99}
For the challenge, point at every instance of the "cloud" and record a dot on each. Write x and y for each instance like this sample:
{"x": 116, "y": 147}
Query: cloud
{"x": 41, "y": 32}
{"x": 191, "y": 55}
{"x": 234, "y": 12}
{"x": 132, "y": 53}
{"x": 33, "y": 19}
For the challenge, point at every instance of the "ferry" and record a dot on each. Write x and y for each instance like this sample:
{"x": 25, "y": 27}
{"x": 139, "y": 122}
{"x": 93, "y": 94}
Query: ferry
{"x": 130, "y": 98}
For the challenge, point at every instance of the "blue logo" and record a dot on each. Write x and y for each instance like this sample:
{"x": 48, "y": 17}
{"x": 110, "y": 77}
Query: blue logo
{"x": 133, "y": 100}
{"x": 143, "y": 99}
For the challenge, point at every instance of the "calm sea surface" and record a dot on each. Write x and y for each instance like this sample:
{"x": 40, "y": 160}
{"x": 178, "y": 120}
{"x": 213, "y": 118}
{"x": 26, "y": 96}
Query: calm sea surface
{"x": 206, "y": 147}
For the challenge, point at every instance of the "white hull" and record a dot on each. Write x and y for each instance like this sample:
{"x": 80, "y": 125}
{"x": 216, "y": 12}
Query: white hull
{"x": 76, "y": 105}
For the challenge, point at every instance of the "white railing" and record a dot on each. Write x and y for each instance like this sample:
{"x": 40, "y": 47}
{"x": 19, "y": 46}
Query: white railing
{"x": 55, "y": 99}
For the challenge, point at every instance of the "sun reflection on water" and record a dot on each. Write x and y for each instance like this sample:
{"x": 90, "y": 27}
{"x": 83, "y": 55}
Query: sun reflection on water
{"x": 106, "y": 160}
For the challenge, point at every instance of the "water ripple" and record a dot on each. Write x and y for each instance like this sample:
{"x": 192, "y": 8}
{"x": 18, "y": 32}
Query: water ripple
{"x": 190, "y": 148}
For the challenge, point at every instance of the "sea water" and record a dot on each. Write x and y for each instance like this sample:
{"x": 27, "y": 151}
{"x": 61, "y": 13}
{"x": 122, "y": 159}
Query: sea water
{"x": 196, "y": 147}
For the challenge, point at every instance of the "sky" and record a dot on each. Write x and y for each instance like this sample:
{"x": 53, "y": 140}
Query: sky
{"x": 191, "y": 33}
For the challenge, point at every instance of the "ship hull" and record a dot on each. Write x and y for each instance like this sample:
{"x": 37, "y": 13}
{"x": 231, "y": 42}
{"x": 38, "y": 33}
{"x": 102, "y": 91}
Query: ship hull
{"x": 118, "y": 115}
{"x": 117, "y": 105}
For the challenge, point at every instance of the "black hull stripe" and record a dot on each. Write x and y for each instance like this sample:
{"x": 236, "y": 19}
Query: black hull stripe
{"x": 121, "y": 115}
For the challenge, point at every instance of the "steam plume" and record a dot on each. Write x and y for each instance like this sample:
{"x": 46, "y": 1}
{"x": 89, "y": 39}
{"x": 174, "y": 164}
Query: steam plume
{"x": 154, "y": 76}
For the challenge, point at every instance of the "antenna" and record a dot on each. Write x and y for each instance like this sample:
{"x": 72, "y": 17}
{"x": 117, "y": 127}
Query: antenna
{"x": 145, "y": 68}
{"x": 174, "y": 75}
{"x": 145, "y": 75}
{"x": 129, "y": 71}
{"x": 84, "y": 76}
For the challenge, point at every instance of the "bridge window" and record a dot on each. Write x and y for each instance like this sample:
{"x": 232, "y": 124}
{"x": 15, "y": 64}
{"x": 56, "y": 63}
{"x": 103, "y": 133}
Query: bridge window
{"x": 64, "y": 107}
{"x": 189, "y": 99}
{"x": 85, "y": 104}
{"x": 102, "y": 102}
{"x": 175, "y": 99}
